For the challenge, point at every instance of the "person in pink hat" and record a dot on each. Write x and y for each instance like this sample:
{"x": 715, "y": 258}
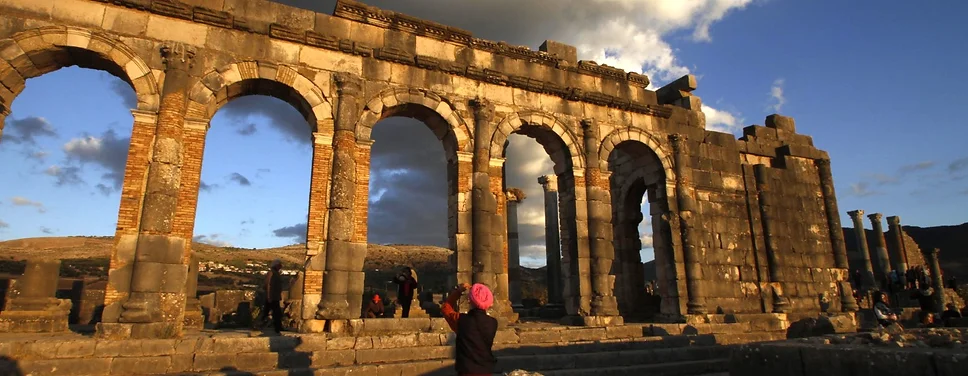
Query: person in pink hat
{"x": 475, "y": 330}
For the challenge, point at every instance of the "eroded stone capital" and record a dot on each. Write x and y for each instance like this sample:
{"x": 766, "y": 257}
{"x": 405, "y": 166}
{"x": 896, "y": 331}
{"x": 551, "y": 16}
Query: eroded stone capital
{"x": 855, "y": 214}
{"x": 177, "y": 55}
{"x": 515, "y": 195}
{"x": 549, "y": 183}
{"x": 348, "y": 85}
{"x": 483, "y": 109}
{"x": 589, "y": 127}
{"x": 875, "y": 217}
{"x": 894, "y": 220}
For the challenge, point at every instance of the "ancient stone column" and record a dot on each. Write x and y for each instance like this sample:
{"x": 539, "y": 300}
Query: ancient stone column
{"x": 686, "y": 208}
{"x": 848, "y": 303}
{"x": 357, "y": 277}
{"x": 552, "y": 238}
{"x": 936, "y": 278}
{"x": 599, "y": 202}
{"x": 761, "y": 173}
{"x": 315, "y": 263}
{"x": 483, "y": 203}
{"x": 514, "y": 197}
{"x": 499, "y": 227}
{"x": 34, "y": 308}
{"x": 341, "y": 251}
{"x": 880, "y": 246}
{"x": 155, "y": 306}
{"x": 898, "y": 256}
{"x": 857, "y": 216}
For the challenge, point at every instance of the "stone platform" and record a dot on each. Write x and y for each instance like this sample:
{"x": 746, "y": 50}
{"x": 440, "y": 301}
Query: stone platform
{"x": 917, "y": 352}
{"x": 393, "y": 347}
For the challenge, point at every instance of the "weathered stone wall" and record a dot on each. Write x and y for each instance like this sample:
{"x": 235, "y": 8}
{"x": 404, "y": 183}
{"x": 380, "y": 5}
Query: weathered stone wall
{"x": 348, "y": 71}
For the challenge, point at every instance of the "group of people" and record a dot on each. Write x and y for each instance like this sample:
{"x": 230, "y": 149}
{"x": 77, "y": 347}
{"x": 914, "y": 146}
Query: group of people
{"x": 926, "y": 316}
{"x": 475, "y": 328}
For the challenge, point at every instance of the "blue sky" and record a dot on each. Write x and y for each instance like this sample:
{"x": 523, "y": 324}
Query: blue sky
{"x": 878, "y": 84}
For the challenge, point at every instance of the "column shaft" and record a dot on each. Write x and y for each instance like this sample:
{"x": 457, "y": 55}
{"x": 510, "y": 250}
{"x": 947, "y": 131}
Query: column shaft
{"x": 837, "y": 243}
{"x": 357, "y": 277}
{"x": 341, "y": 251}
{"x": 761, "y": 173}
{"x": 514, "y": 197}
{"x": 857, "y": 216}
{"x": 156, "y": 303}
{"x": 483, "y": 203}
{"x": 319, "y": 191}
{"x": 880, "y": 246}
{"x": 898, "y": 256}
{"x": 686, "y": 207}
{"x": 599, "y": 203}
{"x": 936, "y": 278}
{"x": 552, "y": 238}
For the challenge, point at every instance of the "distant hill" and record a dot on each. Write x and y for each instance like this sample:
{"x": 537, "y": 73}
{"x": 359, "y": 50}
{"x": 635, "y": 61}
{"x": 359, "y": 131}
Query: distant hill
{"x": 953, "y": 243}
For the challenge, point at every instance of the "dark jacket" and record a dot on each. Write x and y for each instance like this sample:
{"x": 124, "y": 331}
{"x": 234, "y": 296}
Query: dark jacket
{"x": 407, "y": 285}
{"x": 374, "y": 309}
{"x": 475, "y": 336}
{"x": 273, "y": 286}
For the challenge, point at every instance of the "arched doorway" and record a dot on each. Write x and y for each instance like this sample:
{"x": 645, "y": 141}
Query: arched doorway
{"x": 640, "y": 194}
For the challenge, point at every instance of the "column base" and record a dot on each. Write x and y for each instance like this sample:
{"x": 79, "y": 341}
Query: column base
{"x": 153, "y": 330}
{"x": 602, "y": 321}
{"x": 33, "y": 321}
{"x": 311, "y": 326}
{"x": 194, "y": 320}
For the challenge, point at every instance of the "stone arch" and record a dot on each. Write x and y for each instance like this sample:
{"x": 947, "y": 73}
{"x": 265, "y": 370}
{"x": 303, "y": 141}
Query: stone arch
{"x": 419, "y": 104}
{"x": 218, "y": 86}
{"x": 568, "y": 153}
{"x": 35, "y": 52}
{"x": 642, "y": 184}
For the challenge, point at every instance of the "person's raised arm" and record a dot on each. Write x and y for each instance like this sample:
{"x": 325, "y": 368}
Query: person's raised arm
{"x": 449, "y": 308}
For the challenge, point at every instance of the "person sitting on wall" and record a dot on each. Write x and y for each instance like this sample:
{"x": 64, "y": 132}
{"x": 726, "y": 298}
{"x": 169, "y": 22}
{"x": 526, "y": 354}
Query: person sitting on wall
{"x": 882, "y": 310}
{"x": 375, "y": 308}
{"x": 475, "y": 330}
{"x": 405, "y": 293}
{"x": 926, "y": 320}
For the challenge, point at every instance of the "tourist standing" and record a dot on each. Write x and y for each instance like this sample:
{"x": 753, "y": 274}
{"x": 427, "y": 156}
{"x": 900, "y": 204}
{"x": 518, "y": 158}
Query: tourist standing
{"x": 405, "y": 292}
{"x": 274, "y": 294}
{"x": 475, "y": 330}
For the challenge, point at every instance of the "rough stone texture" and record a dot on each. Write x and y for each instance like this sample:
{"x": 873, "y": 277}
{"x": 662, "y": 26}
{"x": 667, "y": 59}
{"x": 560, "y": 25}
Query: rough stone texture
{"x": 34, "y": 308}
{"x": 346, "y": 71}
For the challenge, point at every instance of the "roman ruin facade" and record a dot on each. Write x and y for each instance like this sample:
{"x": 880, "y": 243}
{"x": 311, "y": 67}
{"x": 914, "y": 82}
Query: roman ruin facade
{"x": 746, "y": 225}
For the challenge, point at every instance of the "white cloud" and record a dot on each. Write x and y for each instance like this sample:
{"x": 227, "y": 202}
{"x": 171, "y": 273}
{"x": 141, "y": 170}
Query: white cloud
{"x": 4, "y": 224}
{"x": 22, "y": 201}
{"x": 213, "y": 240}
{"x": 776, "y": 95}
{"x": 721, "y": 121}
{"x": 862, "y": 189}
{"x": 106, "y": 151}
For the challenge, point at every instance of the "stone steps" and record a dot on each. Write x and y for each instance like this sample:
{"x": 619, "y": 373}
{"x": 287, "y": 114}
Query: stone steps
{"x": 687, "y": 368}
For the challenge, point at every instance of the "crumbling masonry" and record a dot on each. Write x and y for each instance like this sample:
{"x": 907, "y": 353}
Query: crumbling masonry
{"x": 741, "y": 226}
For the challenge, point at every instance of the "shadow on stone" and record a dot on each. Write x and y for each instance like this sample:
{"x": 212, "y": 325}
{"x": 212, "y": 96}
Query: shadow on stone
{"x": 9, "y": 367}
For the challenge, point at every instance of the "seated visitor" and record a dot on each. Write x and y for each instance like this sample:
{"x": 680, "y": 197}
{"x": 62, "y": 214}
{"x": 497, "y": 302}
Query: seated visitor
{"x": 926, "y": 320}
{"x": 882, "y": 311}
{"x": 375, "y": 308}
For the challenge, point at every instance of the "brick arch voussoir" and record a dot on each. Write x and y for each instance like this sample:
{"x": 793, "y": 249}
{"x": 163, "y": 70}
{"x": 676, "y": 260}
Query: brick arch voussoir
{"x": 210, "y": 92}
{"x": 21, "y": 50}
{"x": 514, "y": 121}
{"x": 373, "y": 112}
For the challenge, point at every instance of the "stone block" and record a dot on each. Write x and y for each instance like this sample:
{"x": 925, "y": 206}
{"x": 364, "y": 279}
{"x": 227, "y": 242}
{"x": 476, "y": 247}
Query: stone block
{"x": 395, "y": 341}
{"x": 72, "y": 367}
{"x": 76, "y": 349}
{"x": 333, "y": 358}
{"x": 181, "y": 363}
{"x": 403, "y": 354}
{"x": 158, "y": 347}
{"x": 257, "y": 361}
{"x": 529, "y": 337}
{"x": 560, "y": 50}
{"x": 781, "y": 122}
{"x": 141, "y": 366}
{"x": 213, "y": 362}
{"x": 240, "y": 345}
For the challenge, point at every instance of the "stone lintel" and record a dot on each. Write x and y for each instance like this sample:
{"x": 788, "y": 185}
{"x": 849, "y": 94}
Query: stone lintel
{"x": 321, "y": 138}
{"x": 197, "y": 124}
{"x": 465, "y": 156}
{"x": 497, "y": 162}
{"x": 147, "y": 117}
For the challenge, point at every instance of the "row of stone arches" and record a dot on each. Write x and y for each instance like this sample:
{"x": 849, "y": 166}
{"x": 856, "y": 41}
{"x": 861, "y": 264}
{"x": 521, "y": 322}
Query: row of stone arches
{"x": 33, "y": 53}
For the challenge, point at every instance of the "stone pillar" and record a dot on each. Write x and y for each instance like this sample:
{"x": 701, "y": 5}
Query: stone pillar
{"x": 880, "y": 246}
{"x": 936, "y": 278}
{"x": 194, "y": 319}
{"x": 357, "y": 277}
{"x": 686, "y": 208}
{"x": 552, "y": 238}
{"x": 857, "y": 216}
{"x": 155, "y": 307}
{"x": 483, "y": 203}
{"x": 848, "y": 303}
{"x": 129, "y": 215}
{"x": 341, "y": 251}
{"x": 514, "y": 197}
{"x": 499, "y": 250}
{"x": 761, "y": 173}
{"x": 601, "y": 249}
{"x": 462, "y": 242}
{"x": 899, "y": 256}
{"x": 319, "y": 192}
{"x": 34, "y": 308}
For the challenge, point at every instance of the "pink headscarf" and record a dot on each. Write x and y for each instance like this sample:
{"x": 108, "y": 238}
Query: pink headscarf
{"x": 481, "y": 296}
